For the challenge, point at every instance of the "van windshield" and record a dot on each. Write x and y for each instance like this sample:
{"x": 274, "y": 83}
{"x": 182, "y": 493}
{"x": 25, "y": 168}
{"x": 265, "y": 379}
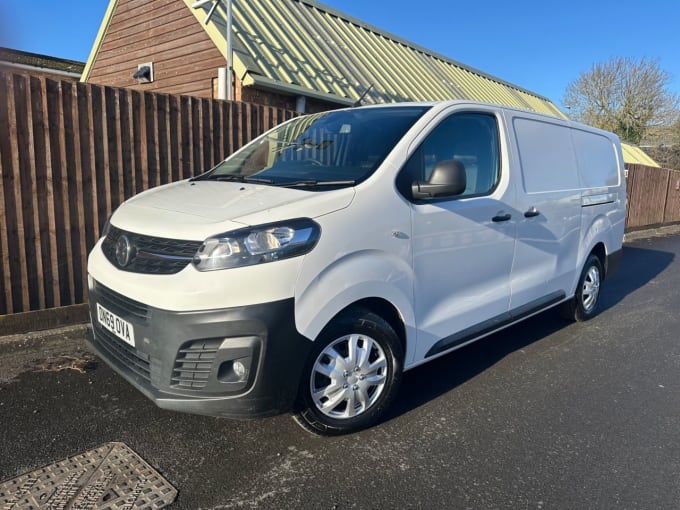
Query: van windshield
{"x": 320, "y": 151}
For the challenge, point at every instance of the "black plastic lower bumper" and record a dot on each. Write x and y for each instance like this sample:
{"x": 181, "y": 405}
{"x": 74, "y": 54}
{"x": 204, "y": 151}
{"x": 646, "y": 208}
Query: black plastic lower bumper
{"x": 238, "y": 362}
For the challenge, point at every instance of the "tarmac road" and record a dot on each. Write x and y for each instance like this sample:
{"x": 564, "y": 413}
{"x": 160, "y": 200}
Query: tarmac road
{"x": 546, "y": 414}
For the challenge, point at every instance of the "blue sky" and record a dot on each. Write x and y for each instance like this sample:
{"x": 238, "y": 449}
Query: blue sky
{"x": 538, "y": 45}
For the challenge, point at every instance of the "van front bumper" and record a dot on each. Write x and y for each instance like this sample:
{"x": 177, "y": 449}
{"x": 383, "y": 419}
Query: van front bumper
{"x": 240, "y": 362}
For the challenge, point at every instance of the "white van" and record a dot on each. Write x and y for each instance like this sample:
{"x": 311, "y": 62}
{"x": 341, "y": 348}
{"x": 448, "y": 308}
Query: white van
{"x": 311, "y": 268}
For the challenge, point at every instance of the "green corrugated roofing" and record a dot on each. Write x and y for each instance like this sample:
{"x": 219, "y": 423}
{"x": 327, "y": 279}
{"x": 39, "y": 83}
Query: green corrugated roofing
{"x": 304, "y": 47}
{"x": 636, "y": 156}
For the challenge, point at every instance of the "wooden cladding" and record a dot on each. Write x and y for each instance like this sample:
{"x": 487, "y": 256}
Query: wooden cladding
{"x": 70, "y": 153}
{"x": 166, "y": 33}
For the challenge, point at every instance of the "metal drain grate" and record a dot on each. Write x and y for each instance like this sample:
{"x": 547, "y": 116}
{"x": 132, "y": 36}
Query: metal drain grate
{"x": 110, "y": 477}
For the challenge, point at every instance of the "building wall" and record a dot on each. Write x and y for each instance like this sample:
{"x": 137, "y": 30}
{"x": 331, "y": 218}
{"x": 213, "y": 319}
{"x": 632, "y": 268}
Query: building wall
{"x": 277, "y": 100}
{"x": 185, "y": 60}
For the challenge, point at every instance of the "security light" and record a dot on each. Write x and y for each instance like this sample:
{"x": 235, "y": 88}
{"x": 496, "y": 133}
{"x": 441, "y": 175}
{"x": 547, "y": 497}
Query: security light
{"x": 144, "y": 73}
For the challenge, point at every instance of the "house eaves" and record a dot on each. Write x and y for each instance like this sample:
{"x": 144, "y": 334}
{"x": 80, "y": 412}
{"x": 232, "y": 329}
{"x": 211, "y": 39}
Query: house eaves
{"x": 329, "y": 55}
{"x": 98, "y": 40}
{"x": 26, "y": 61}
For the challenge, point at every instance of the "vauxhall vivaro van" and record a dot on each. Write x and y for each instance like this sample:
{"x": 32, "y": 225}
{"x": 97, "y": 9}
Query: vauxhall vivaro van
{"x": 312, "y": 267}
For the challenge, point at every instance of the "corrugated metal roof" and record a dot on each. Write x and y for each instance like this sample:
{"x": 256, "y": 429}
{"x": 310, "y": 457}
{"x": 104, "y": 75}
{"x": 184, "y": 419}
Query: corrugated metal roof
{"x": 305, "y": 47}
{"x": 636, "y": 156}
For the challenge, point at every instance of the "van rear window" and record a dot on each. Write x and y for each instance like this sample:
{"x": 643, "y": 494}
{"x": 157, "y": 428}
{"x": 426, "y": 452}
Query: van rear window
{"x": 597, "y": 159}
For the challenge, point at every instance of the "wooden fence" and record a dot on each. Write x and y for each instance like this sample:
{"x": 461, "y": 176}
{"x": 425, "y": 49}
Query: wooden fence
{"x": 653, "y": 197}
{"x": 70, "y": 153}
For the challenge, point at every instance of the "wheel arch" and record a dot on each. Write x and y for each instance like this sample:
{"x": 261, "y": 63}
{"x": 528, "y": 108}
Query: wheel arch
{"x": 382, "y": 308}
{"x": 600, "y": 238}
{"x": 375, "y": 281}
{"x": 600, "y": 251}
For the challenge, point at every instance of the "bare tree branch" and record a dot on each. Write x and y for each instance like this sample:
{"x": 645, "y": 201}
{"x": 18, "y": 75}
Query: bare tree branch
{"x": 623, "y": 95}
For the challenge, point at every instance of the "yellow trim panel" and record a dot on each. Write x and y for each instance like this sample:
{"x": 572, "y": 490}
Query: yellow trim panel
{"x": 636, "y": 156}
{"x": 98, "y": 40}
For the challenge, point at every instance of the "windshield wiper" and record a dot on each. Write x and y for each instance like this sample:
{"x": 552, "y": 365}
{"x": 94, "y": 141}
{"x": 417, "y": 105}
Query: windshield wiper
{"x": 312, "y": 183}
{"x": 238, "y": 178}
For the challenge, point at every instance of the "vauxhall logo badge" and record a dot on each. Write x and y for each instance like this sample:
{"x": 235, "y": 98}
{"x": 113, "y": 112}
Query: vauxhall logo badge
{"x": 124, "y": 251}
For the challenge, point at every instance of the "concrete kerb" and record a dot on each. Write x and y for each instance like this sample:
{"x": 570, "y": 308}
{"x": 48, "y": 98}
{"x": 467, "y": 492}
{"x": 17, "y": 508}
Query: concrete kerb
{"x": 660, "y": 231}
{"x": 39, "y": 320}
{"x": 56, "y": 321}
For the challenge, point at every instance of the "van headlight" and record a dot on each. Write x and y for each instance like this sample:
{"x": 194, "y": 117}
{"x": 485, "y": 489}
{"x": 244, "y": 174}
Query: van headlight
{"x": 257, "y": 245}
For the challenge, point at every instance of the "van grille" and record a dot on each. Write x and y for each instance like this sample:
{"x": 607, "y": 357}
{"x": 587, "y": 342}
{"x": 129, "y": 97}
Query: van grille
{"x": 122, "y": 305}
{"x": 151, "y": 255}
{"x": 194, "y": 364}
{"x": 125, "y": 355}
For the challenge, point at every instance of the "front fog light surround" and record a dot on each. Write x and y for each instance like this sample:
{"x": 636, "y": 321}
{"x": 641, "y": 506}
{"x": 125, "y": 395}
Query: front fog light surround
{"x": 257, "y": 245}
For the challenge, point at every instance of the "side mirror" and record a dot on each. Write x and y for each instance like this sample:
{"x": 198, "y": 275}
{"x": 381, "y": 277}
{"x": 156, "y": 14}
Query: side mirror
{"x": 448, "y": 179}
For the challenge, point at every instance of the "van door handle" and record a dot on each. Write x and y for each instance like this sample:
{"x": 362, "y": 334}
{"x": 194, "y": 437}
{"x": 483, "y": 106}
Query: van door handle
{"x": 501, "y": 217}
{"x": 531, "y": 213}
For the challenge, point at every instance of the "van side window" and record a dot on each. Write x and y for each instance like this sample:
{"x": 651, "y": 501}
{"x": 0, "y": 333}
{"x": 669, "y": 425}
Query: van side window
{"x": 546, "y": 153}
{"x": 472, "y": 139}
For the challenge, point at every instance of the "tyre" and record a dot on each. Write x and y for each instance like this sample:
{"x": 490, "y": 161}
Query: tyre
{"x": 583, "y": 305}
{"x": 352, "y": 375}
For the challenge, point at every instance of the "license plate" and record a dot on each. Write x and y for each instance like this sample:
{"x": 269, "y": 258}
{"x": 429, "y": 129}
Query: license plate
{"x": 119, "y": 327}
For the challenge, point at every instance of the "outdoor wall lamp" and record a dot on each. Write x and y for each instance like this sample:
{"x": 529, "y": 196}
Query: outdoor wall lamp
{"x": 144, "y": 73}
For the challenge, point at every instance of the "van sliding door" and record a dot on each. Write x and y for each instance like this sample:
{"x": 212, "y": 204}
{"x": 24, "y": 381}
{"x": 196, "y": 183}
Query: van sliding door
{"x": 549, "y": 200}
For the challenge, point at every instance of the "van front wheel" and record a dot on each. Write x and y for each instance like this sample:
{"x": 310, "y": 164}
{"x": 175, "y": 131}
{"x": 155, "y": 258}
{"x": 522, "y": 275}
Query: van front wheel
{"x": 352, "y": 375}
{"x": 585, "y": 302}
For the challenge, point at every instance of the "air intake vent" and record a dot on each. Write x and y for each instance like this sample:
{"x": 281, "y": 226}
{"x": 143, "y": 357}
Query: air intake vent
{"x": 194, "y": 364}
